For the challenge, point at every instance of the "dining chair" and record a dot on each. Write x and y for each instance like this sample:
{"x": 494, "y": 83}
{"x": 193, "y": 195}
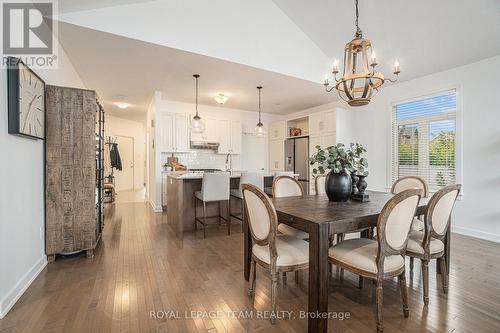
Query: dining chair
{"x": 383, "y": 258}
{"x": 408, "y": 182}
{"x": 254, "y": 178}
{"x": 214, "y": 188}
{"x": 269, "y": 190}
{"x": 275, "y": 254}
{"x": 319, "y": 184}
{"x": 429, "y": 243}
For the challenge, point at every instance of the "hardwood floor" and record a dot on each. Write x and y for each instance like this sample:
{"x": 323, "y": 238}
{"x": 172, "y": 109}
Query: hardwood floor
{"x": 141, "y": 269}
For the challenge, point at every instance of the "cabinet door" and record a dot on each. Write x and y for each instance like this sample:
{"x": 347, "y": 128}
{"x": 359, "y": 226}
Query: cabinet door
{"x": 224, "y": 136}
{"x": 330, "y": 121}
{"x": 328, "y": 139}
{"x": 210, "y": 133}
{"x": 277, "y": 131}
{"x": 167, "y": 132}
{"x": 181, "y": 132}
{"x": 316, "y": 123}
{"x": 236, "y": 137}
{"x": 313, "y": 142}
{"x": 277, "y": 155}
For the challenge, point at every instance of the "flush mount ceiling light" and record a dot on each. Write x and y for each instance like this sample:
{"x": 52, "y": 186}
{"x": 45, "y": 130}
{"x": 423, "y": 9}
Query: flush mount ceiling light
{"x": 197, "y": 124}
{"x": 259, "y": 129}
{"x": 221, "y": 98}
{"x": 358, "y": 83}
{"x": 122, "y": 105}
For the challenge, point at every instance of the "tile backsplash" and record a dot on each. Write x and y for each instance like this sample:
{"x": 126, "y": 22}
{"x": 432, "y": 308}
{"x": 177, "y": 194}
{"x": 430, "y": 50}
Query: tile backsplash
{"x": 203, "y": 159}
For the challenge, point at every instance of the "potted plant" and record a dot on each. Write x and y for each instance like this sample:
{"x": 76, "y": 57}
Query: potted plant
{"x": 361, "y": 169}
{"x": 340, "y": 162}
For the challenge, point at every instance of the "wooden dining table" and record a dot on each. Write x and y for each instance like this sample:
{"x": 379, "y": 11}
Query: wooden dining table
{"x": 321, "y": 218}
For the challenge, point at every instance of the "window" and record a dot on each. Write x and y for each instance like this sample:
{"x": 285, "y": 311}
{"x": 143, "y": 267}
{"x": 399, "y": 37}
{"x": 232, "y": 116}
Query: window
{"x": 423, "y": 139}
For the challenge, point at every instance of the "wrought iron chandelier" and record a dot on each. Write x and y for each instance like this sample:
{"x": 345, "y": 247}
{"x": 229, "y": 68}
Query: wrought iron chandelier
{"x": 359, "y": 83}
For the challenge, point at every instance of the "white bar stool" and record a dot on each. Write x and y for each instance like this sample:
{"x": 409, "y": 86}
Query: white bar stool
{"x": 214, "y": 188}
{"x": 254, "y": 178}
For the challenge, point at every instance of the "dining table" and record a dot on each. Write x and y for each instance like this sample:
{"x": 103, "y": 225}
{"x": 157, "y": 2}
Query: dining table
{"x": 322, "y": 218}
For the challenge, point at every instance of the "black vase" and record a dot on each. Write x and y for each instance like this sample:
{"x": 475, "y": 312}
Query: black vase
{"x": 354, "y": 179}
{"x": 338, "y": 186}
{"x": 362, "y": 184}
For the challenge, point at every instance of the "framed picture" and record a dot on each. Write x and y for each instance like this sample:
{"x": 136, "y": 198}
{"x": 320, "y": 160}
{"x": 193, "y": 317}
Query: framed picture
{"x": 26, "y": 101}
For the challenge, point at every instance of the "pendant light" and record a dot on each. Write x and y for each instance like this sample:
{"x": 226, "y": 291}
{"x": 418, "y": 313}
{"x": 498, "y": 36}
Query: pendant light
{"x": 259, "y": 129}
{"x": 197, "y": 124}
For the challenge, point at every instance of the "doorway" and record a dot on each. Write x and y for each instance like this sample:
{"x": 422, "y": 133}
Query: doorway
{"x": 124, "y": 179}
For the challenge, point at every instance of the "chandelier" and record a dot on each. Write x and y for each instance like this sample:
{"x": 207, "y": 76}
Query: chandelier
{"x": 359, "y": 83}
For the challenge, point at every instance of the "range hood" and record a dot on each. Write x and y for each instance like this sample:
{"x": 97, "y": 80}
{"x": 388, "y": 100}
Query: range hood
{"x": 204, "y": 145}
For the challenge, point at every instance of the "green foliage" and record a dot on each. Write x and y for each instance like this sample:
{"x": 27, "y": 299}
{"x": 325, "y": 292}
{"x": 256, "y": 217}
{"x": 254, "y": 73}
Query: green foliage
{"x": 440, "y": 181}
{"x": 408, "y": 154}
{"x": 442, "y": 149}
{"x": 340, "y": 158}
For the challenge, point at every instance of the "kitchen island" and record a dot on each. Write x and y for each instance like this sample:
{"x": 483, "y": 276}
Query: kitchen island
{"x": 181, "y": 202}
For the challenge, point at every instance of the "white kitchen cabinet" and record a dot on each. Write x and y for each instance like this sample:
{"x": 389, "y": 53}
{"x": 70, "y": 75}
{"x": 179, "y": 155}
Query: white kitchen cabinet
{"x": 174, "y": 132}
{"x": 328, "y": 139}
{"x": 236, "y": 137}
{"x": 276, "y": 155}
{"x": 329, "y": 117}
{"x": 210, "y": 132}
{"x": 229, "y": 137}
{"x": 277, "y": 130}
{"x": 322, "y": 122}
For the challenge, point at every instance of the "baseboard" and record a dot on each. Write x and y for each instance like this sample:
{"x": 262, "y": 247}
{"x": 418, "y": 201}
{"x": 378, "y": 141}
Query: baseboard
{"x": 15, "y": 293}
{"x": 476, "y": 234}
{"x": 156, "y": 209}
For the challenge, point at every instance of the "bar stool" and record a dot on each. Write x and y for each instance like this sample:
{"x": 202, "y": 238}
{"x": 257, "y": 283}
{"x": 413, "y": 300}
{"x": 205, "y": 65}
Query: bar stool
{"x": 254, "y": 178}
{"x": 214, "y": 188}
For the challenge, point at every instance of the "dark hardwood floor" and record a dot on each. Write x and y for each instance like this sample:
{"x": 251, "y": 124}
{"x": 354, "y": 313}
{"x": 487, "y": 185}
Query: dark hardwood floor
{"x": 140, "y": 269}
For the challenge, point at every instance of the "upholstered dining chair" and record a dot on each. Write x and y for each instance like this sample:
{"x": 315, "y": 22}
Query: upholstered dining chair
{"x": 214, "y": 188}
{"x": 254, "y": 178}
{"x": 275, "y": 254}
{"x": 428, "y": 244}
{"x": 319, "y": 184}
{"x": 382, "y": 258}
{"x": 269, "y": 190}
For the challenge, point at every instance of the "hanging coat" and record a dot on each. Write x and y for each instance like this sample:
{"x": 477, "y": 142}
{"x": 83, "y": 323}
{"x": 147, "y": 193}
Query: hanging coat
{"x": 114, "y": 156}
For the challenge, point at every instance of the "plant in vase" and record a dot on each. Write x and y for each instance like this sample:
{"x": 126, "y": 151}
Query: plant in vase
{"x": 340, "y": 161}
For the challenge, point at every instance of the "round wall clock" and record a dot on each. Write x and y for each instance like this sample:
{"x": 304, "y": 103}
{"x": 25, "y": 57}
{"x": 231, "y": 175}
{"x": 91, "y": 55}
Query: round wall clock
{"x": 26, "y": 95}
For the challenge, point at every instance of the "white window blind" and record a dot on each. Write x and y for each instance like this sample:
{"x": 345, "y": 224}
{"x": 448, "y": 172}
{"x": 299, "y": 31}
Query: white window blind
{"x": 423, "y": 139}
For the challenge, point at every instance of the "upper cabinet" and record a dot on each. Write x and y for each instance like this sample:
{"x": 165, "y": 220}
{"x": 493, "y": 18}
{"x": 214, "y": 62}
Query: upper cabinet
{"x": 174, "y": 132}
{"x": 229, "y": 136}
{"x": 210, "y": 132}
{"x": 277, "y": 131}
{"x": 322, "y": 122}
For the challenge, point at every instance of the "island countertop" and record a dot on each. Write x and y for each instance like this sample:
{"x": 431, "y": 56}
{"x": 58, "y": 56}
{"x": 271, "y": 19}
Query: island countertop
{"x": 198, "y": 175}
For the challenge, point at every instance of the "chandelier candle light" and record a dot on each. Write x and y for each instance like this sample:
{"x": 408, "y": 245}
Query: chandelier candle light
{"x": 197, "y": 124}
{"x": 259, "y": 129}
{"x": 359, "y": 83}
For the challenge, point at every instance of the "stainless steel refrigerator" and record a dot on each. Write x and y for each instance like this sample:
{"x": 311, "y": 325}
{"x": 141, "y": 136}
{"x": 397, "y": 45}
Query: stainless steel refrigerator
{"x": 297, "y": 159}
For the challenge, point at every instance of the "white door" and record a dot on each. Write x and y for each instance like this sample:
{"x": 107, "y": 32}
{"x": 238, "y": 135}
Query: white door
{"x": 254, "y": 158}
{"x": 124, "y": 179}
{"x": 224, "y": 136}
{"x": 167, "y": 132}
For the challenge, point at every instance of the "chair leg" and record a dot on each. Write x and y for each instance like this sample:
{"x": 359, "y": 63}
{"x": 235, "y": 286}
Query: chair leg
{"x": 284, "y": 277}
{"x": 444, "y": 274}
{"x": 204, "y": 219}
{"x": 195, "y": 222}
{"x": 380, "y": 307}
{"x": 297, "y": 277}
{"x": 404, "y": 294}
{"x": 242, "y": 213}
{"x": 229, "y": 217}
{"x": 360, "y": 282}
{"x": 411, "y": 264}
{"x": 251, "y": 282}
{"x": 274, "y": 290}
{"x": 425, "y": 277}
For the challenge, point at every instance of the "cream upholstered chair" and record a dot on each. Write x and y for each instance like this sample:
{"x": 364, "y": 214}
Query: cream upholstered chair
{"x": 214, "y": 188}
{"x": 269, "y": 190}
{"x": 276, "y": 254}
{"x": 319, "y": 184}
{"x": 428, "y": 244}
{"x": 254, "y": 178}
{"x": 382, "y": 258}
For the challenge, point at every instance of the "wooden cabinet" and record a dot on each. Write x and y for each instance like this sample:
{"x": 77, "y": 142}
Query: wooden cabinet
{"x": 277, "y": 131}
{"x": 229, "y": 137}
{"x": 276, "y": 155}
{"x": 174, "y": 132}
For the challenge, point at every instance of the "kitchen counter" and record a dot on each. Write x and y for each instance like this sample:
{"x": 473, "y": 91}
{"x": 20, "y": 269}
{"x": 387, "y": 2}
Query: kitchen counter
{"x": 198, "y": 175}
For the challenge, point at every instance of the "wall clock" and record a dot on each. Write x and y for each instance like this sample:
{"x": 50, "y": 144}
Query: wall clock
{"x": 26, "y": 95}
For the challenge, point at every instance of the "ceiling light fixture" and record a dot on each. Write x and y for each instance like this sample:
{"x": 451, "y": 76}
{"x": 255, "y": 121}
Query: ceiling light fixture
{"x": 259, "y": 129}
{"x": 221, "y": 98}
{"x": 197, "y": 124}
{"x": 358, "y": 83}
{"x": 122, "y": 105}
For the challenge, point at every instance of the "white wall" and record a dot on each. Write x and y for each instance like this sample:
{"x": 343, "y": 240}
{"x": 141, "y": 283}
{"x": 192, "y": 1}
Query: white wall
{"x": 478, "y": 214}
{"x": 255, "y": 33}
{"x": 123, "y": 127}
{"x": 22, "y": 247}
{"x": 151, "y": 153}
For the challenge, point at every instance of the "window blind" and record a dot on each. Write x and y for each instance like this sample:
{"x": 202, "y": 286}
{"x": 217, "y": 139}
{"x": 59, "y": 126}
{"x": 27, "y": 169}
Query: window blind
{"x": 423, "y": 139}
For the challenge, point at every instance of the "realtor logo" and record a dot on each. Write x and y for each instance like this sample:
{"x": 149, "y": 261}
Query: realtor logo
{"x": 27, "y": 32}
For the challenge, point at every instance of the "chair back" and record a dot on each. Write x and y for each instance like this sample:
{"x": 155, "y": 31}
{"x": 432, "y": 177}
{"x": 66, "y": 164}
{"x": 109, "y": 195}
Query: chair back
{"x": 439, "y": 209}
{"x": 283, "y": 173}
{"x": 254, "y": 178}
{"x": 215, "y": 186}
{"x": 394, "y": 222}
{"x": 261, "y": 216}
{"x": 286, "y": 186}
{"x": 409, "y": 182}
{"x": 319, "y": 184}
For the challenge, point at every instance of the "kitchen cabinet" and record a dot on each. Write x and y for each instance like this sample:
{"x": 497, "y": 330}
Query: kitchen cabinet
{"x": 229, "y": 137}
{"x": 277, "y": 155}
{"x": 174, "y": 132}
{"x": 322, "y": 122}
{"x": 210, "y": 132}
{"x": 277, "y": 131}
